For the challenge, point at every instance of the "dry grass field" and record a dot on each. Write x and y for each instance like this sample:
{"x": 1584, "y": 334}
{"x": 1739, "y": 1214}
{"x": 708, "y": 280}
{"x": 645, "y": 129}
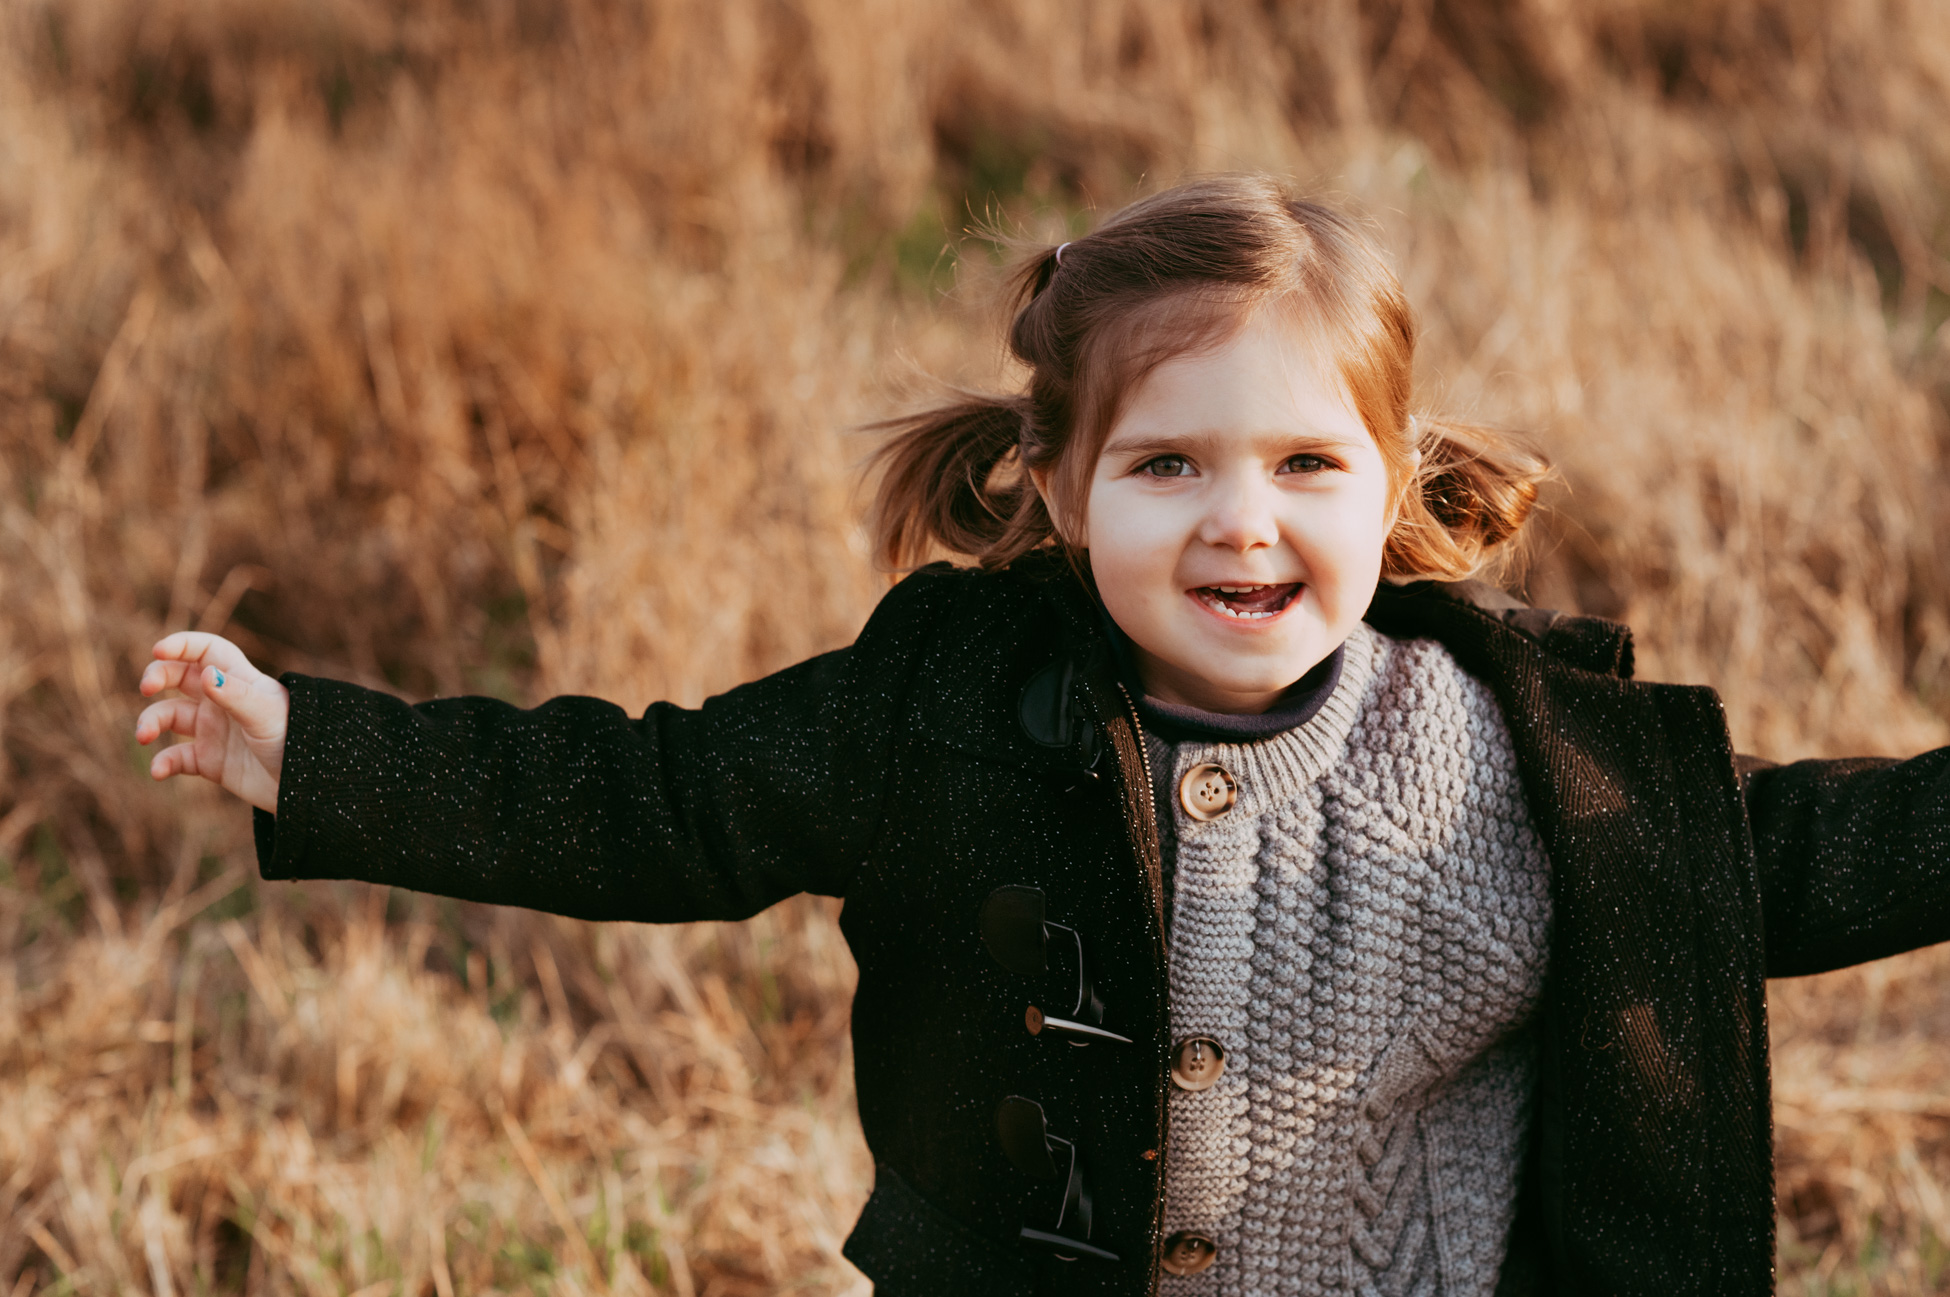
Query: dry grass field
{"x": 511, "y": 346}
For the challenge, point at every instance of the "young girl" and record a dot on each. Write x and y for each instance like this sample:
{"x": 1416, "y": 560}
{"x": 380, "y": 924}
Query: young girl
{"x": 1244, "y": 903}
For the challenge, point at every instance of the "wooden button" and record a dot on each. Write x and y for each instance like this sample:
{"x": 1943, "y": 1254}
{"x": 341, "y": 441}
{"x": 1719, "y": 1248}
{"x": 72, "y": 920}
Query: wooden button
{"x": 1207, "y": 792}
{"x": 1197, "y": 1063}
{"x": 1188, "y": 1253}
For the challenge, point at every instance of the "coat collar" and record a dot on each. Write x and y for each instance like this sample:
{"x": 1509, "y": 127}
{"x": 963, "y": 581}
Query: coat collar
{"x": 1583, "y": 642}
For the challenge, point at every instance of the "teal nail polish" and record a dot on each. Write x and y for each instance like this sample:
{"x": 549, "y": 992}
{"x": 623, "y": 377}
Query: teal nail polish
{"x": 219, "y": 679}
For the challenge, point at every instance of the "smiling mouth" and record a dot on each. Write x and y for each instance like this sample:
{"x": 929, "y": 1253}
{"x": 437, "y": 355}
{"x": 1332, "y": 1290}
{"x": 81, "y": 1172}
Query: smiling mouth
{"x": 1248, "y": 602}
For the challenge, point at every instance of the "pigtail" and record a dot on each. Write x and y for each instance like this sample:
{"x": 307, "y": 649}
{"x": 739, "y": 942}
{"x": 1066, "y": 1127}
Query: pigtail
{"x": 1471, "y": 490}
{"x": 950, "y": 480}
{"x": 952, "y": 477}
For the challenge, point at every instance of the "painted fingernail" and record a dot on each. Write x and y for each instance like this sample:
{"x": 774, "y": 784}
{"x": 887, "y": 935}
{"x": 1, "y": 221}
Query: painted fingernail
{"x": 219, "y": 679}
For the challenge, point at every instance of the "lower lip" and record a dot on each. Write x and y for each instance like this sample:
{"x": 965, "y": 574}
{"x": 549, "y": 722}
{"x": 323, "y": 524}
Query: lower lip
{"x": 1247, "y": 623}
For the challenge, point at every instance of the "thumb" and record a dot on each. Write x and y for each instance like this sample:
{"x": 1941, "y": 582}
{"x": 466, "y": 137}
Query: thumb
{"x": 255, "y": 701}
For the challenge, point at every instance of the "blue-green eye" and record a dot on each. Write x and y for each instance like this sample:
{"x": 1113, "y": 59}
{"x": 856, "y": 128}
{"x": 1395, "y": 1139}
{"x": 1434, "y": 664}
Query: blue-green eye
{"x": 1167, "y": 466}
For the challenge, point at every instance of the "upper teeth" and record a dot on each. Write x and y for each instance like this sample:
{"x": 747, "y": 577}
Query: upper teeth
{"x": 1236, "y": 589}
{"x": 1221, "y": 605}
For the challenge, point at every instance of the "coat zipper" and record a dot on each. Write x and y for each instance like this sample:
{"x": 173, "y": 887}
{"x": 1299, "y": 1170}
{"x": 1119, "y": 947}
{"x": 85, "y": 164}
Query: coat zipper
{"x": 1144, "y": 753}
{"x": 1151, "y": 801}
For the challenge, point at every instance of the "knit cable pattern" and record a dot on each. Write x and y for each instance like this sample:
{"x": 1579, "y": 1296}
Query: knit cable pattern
{"x": 1365, "y": 933}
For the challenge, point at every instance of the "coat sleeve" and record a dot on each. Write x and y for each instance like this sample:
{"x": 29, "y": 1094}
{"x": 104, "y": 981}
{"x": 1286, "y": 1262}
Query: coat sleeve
{"x": 1854, "y": 858}
{"x": 573, "y": 807}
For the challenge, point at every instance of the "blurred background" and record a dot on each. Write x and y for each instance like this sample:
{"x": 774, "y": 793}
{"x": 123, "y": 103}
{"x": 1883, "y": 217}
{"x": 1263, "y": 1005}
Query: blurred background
{"x": 512, "y": 346}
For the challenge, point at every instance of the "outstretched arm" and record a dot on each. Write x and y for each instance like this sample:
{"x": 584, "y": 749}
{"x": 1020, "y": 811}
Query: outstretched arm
{"x": 577, "y": 808}
{"x": 573, "y": 806}
{"x": 1854, "y": 858}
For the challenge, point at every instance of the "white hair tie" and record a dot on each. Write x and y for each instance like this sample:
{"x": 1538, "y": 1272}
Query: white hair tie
{"x": 1059, "y": 252}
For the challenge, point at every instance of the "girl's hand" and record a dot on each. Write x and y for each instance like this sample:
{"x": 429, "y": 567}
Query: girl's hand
{"x": 233, "y": 715}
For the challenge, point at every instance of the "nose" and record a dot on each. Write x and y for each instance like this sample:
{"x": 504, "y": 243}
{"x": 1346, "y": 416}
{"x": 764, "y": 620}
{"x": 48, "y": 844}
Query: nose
{"x": 1242, "y": 514}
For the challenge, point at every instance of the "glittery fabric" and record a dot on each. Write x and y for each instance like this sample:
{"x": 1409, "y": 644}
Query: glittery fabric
{"x": 896, "y": 773}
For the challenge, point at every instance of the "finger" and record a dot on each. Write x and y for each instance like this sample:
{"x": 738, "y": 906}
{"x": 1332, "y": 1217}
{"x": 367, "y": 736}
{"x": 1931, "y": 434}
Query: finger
{"x": 171, "y": 716}
{"x": 177, "y": 760}
{"x": 203, "y": 649}
{"x": 254, "y": 700}
{"x": 158, "y": 676}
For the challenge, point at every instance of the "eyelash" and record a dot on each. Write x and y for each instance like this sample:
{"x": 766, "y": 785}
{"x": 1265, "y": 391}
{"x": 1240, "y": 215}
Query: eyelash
{"x": 1319, "y": 464}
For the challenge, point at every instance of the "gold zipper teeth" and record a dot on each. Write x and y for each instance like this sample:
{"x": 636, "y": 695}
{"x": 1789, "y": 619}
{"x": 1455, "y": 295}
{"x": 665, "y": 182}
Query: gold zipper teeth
{"x": 1150, "y": 796}
{"x": 1137, "y": 726}
{"x": 1164, "y": 1126}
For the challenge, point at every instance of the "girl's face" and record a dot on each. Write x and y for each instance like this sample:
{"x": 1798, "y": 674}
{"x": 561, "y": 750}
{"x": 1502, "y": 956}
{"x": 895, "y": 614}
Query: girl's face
{"x": 1236, "y": 520}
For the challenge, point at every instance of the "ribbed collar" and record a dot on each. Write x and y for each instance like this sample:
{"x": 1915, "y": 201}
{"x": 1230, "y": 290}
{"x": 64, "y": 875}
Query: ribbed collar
{"x": 1274, "y": 769}
{"x": 1178, "y": 723}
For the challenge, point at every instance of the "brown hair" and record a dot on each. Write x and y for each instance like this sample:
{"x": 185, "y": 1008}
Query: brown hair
{"x": 1167, "y": 276}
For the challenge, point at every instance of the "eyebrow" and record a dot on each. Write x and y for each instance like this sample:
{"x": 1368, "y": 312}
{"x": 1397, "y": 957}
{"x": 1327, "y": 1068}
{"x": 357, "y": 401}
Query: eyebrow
{"x": 1179, "y": 443}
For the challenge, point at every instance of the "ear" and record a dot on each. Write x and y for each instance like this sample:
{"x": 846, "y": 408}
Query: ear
{"x": 1040, "y": 479}
{"x": 1410, "y": 483}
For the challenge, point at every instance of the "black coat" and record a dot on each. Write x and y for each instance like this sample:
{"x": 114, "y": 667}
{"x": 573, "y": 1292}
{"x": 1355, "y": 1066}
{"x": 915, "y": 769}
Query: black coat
{"x": 919, "y": 770}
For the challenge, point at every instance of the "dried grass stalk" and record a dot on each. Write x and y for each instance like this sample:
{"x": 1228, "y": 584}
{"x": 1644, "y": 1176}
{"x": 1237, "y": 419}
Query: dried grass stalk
{"x": 509, "y": 348}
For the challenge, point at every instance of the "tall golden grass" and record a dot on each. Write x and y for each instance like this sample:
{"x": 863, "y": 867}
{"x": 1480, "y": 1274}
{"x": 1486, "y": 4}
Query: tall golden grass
{"x": 510, "y": 346}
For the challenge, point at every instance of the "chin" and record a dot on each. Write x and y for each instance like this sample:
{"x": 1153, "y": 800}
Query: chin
{"x": 1264, "y": 679}
{"x": 1276, "y": 683}
{"x": 1277, "y": 670}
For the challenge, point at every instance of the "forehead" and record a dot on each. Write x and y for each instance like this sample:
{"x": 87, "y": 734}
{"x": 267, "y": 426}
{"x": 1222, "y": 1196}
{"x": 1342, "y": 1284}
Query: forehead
{"x": 1263, "y": 377}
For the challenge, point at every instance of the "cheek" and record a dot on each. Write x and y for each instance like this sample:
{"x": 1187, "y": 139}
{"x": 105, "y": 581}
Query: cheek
{"x": 1133, "y": 550}
{"x": 1345, "y": 540}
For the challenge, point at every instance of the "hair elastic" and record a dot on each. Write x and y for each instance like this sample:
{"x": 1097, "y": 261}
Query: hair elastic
{"x": 1059, "y": 252}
